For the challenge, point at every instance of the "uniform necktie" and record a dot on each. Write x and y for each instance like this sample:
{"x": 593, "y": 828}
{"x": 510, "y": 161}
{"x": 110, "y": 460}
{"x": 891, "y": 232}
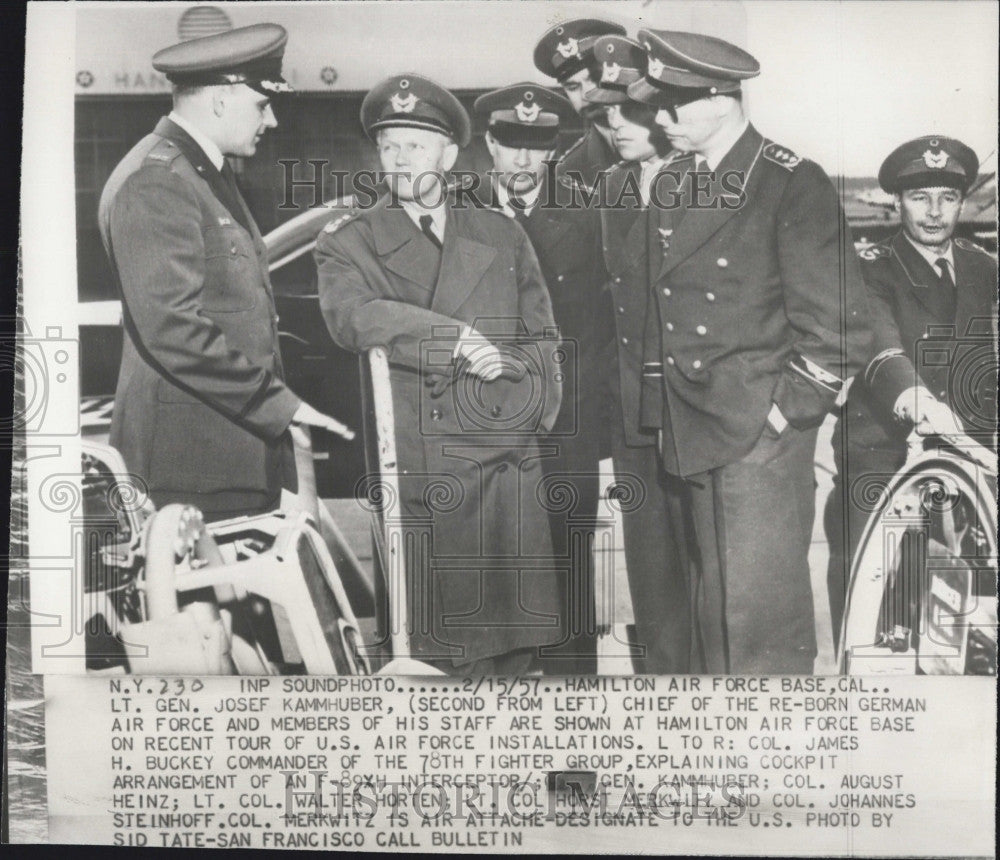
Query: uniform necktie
{"x": 425, "y": 227}
{"x": 946, "y": 286}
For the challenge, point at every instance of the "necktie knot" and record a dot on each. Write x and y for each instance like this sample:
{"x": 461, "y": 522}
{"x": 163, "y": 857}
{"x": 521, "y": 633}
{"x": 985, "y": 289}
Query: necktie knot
{"x": 945, "y": 270}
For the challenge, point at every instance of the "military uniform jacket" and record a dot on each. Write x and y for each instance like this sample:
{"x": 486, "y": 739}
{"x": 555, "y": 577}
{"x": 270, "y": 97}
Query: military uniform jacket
{"x": 566, "y": 240}
{"x": 200, "y": 405}
{"x": 586, "y": 159}
{"x": 382, "y": 283}
{"x": 748, "y": 293}
{"x": 623, "y": 239}
{"x": 918, "y": 341}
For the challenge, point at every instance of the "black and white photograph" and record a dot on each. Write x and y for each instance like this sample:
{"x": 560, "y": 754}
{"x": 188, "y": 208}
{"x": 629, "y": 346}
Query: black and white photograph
{"x": 484, "y": 361}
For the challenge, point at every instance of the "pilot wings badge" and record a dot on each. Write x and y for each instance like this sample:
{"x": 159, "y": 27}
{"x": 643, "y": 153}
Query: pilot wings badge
{"x": 611, "y": 72}
{"x": 936, "y": 161}
{"x": 655, "y": 67}
{"x": 527, "y": 113}
{"x": 569, "y": 48}
{"x": 403, "y": 104}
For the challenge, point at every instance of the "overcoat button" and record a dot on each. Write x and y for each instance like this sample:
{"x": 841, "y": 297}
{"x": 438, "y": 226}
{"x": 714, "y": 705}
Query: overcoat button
{"x": 710, "y": 296}
{"x": 702, "y": 330}
{"x": 670, "y": 360}
{"x": 624, "y": 340}
{"x": 559, "y": 278}
{"x": 670, "y": 326}
{"x": 618, "y": 280}
{"x": 666, "y": 291}
{"x": 722, "y": 262}
{"x": 696, "y": 364}
{"x": 621, "y": 310}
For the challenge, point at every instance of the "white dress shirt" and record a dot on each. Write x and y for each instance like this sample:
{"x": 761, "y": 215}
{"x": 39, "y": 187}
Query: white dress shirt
{"x": 933, "y": 256}
{"x": 438, "y": 216}
{"x": 648, "y": 170}
{"x": 528, "y": 200}
{"x": 211, "y": 150}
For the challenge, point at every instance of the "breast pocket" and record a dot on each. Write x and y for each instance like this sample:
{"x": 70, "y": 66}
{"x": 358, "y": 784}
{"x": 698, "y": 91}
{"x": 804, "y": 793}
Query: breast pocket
{"x": 232, "y": 276}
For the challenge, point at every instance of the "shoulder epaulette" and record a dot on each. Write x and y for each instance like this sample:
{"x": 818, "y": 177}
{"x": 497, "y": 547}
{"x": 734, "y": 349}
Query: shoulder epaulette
{"x": 573, "y": 185}
{"x": 573, "y": 147}
{"x": 875, "y": 252}
{"x": 966, "y": 245}
{"x": 618, "y": 165}
{"x": 781, "y": 156}
{"x": 334, "y": 225}
{"x": 164, "y": 152}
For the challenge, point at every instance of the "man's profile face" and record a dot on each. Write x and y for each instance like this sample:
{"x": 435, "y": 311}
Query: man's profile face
{"x": 419, "y": 157}
{"x": 576, "y": 86}
{"x": 690, "y": 127}
{"x": 518, "y": 169}
{"x": 630, "y": 138}
{"x": 930, "y": 215}
{"x": 246, "y": 115}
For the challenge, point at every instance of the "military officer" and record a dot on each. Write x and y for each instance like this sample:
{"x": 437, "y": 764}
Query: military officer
{"x": 750, "y": 267}
{"x": 523, "y": 125}
{"x": 454, "y": 293}
{"x": 657, "y": 573}
{"x": 201, "y": 412}
{"x": 566, "y": 53}
{"x": 931, "y": 295}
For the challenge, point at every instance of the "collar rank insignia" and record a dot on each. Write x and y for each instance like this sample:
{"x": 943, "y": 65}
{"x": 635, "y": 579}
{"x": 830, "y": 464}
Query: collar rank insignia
{"x": 611, "y": 72}
{"x": 224, "y": 222}
{"x": 655, "y": 67}
{"x": 403, "y": 104}
{"x": 527, "y": 113}
{"x": 936, "y": 161}
{"x": 569, "y": 48}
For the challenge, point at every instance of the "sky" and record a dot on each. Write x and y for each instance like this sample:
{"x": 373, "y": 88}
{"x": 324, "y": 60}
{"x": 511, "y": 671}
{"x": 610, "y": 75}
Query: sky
{"x": 842, "y": 81}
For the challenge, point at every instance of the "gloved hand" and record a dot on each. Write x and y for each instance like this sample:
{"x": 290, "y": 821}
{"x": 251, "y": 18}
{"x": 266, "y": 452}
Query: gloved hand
{"x": 929, "y": 415}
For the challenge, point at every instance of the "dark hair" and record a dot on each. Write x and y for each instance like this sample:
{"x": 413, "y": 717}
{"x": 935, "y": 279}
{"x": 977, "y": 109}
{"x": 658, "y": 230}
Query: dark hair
{"x": 645, "y": 115}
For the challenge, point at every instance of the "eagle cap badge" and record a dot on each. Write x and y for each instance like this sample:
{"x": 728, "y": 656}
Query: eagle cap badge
{"x": 655, "y": 67}
{"x": 611, "y": 72}
{"x": 527, "y": 113}
{"x": 569, "y": 48}
{"x": 936, "y": 161}
{"x": 403, "y": 104}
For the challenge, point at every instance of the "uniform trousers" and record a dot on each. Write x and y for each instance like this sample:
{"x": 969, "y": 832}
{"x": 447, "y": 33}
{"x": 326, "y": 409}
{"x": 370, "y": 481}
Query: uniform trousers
{"x": 655, "y": 558}
{"x": 751, "y": 528}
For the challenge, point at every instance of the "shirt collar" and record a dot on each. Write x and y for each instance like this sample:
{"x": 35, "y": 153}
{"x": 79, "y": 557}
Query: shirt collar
{"x": 211, "y": 150}
{"x": 933, "y": 256}
{"x": 528, "y": 200}
{"x": 415, "y": 211}
{"x": 714, "y": 157}
{"x": 648, "y": 170}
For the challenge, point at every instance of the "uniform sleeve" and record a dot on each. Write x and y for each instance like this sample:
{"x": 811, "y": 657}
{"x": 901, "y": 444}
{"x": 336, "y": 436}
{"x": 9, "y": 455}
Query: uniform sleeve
{"x": 159, "y": 252}
{"x": 825, "y": 299}
{"x": 358, "y": 317}
{"x": 891, "y": 370}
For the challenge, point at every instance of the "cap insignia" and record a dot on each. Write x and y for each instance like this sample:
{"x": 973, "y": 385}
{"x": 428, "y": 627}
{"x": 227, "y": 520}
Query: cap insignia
{"x": 611, "y": 72}
{"x": 936, "y": 161}
{"x": 655, "y": 67}
{"x": 527, "y": 113}
{"x": 403, "y": 104}
{"x": 569, "y": 48}
{"x": 275, "y": 87}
